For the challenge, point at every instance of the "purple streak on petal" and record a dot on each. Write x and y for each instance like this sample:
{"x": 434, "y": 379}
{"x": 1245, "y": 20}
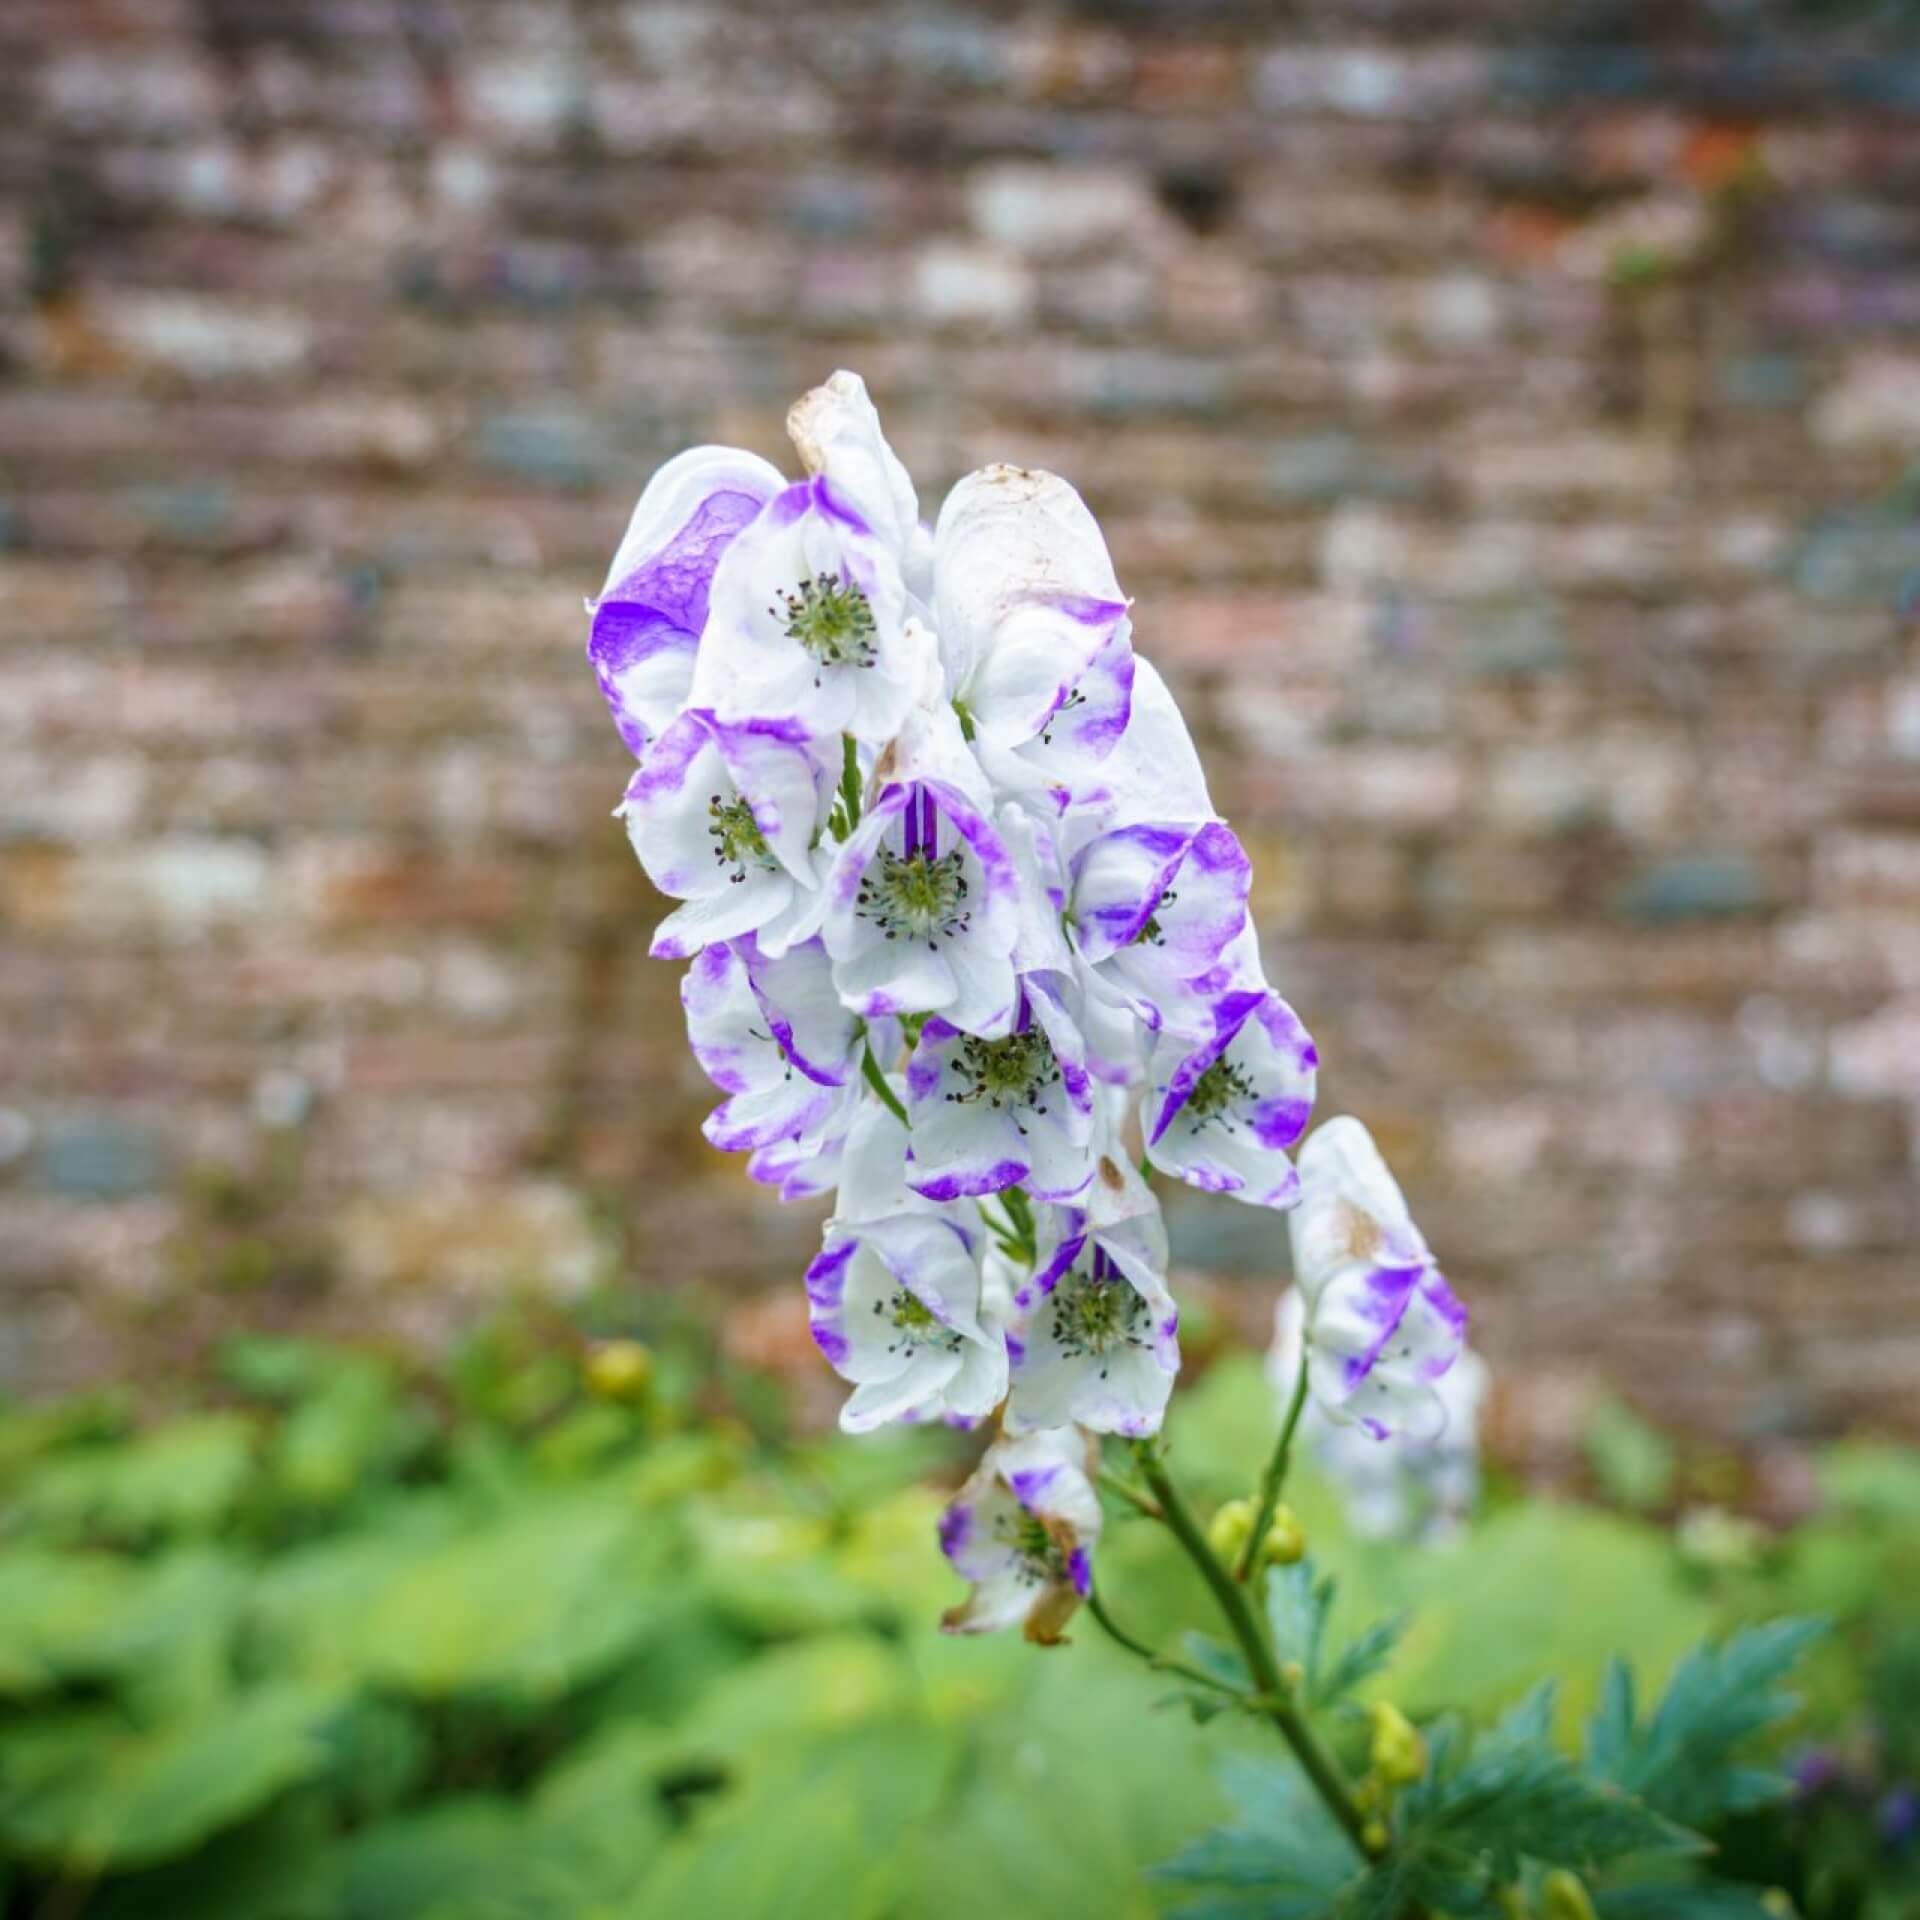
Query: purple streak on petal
{"x": 833, "y": 1346}
{"x": 1016, "y": 1349}
{"x": 923, "y": 1072}
{"x": 1230, "y": 1014}
{"x": 1080, "y": 1571}
{"x": 790, "y": 503}
{"x": 972, "y": 1186}
{"x": 662, "y": 603}
{"x": 827, "y": 1276}
{"x": 1170, "y": 1326}
{"x": 664, "y": 770}
{"x": 1090, "y": 612}
{"x": 1277, "y": 1124}
{"x": 834, "y": 507}
{"x": 955, "y": 1525}
{"x": 1064, "y": 1256}
{"x": 910, "y": 830}
{"x": 929, "y": 825}
{"x": 1031, "y": 1482}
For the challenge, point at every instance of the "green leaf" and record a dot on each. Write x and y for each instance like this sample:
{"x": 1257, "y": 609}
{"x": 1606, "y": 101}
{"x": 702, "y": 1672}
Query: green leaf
{"x": 1300, "y": 1604}
{"x": 818, "y": 1836}
{"x": 1284, "y": 1847}
{"x": 1682, "y": 1762}
{"x": 281, "y": 1866}
{"x": 531, "y": 1607}
{"x": 81, "y": 1795}
{"x": 184, "y": 1478}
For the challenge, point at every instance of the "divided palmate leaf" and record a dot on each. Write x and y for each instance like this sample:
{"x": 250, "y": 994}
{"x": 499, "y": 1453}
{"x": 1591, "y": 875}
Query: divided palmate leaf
{"x": 1682, "y": 1761}
{"x": 1299, "y": 1606}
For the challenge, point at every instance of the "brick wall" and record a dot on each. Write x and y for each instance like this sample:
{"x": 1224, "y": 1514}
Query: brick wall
{"x": 1505, "y": 415}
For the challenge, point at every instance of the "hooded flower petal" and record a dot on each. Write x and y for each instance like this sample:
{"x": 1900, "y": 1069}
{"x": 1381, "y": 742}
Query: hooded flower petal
{"x": 647, "y": 621}
{"x": 1152, "y": 777}
{"x": 1022, "y": 1531}
{"x": 1025, "y": 599}
{"x": 808, "y": 623}
{"x": 1382, "y": 1324}
{"x": 723, "y": 817}
{"x": 988, "y": 1114}
{"x": 1220, "y": 1115}
{"x": 836, "y": 431}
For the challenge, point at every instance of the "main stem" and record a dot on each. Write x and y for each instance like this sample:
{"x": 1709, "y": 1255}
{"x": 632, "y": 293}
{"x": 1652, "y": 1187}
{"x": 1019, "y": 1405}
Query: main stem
{"x": 1276, "y": 1700}
{"x": 1275, "y": 1476}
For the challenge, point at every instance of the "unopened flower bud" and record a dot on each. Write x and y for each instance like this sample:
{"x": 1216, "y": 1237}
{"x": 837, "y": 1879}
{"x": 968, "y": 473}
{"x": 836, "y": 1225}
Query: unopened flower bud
{"x": 1229, "y": 1530}
{"x": 1286, "y": 1541}
{"x": 1398, "y": 1754}
{"x": 620, "y": 1370}
{"x": 1294, "y": 1674}
{"x": 1374, "y": 1836}
{"x": 1563, "y": 1896}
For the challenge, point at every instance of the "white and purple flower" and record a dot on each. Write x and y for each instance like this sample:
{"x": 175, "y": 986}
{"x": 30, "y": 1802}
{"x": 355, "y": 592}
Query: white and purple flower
{"x": 894, "y": 1296}
{"x": 1221, "y": 1113}
{"x": 651, "y": 612}
{"x": 1153, "y": 909}
{"x": 1095, "y": 1335}
{"x": 1383, "y": 1326}
{"x": 724, "y": 818}
{"x": 989, "y": 1113}
{"x": 1022, "y": 1531}
{"x": 922, "y": 902}
{"x": 773, "y": 1037}
{"x": 1025, "y": 603}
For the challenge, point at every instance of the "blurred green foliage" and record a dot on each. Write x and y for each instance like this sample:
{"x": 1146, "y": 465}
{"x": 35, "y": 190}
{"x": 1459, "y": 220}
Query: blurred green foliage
{"x": 349, "y": 1639}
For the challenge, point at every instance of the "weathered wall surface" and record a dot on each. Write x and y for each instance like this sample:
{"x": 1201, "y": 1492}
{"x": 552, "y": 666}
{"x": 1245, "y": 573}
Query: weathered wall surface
{"x": 1505, "y": 415}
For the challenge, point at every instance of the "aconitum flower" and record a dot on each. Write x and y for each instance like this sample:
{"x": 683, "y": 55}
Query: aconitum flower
{"x": 725, "y": 818}
{"x": 1153, "y": 908}
{"x": 966, "y": 934}
{"x": 1401, "y": 1486}
{"x": 1383, "y": 1326}
{"x": 773, "y": 1037}
{"x": 894, "y": 1295}
{"x": 922, "y": 903}
{"x": 652, "y": 611}
{"x": 1022, "y": 1531}
{"x": 987, "y": 1114}
{"x": 1095, "y": 1335}
{"x": 1025, "y": 603}
{"x": 1220, "y": 1114}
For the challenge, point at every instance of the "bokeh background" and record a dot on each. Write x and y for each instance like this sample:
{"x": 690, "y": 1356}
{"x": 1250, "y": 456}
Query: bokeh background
{"x": 1505, "y": 416}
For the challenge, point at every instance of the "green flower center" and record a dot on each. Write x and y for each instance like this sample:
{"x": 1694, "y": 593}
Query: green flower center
{"x": 1095, "y": 1313}
{"x": 737, "y": 840}
{"x": 1024, "y": 1533}
{"x": 1014, "y": 1071}
{"x": 919, "y": 895}
{"x": 914, "y": 1323}
{"x": 1218, "y": 1091}
{"x": 831, "y": 618}
{"x": 1151, "y": 932}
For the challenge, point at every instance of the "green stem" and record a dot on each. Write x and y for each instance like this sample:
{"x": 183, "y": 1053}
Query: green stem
{"x": 878, "y": 1082}
{"x": 1131, "y": 1494}
{"x": 1277, "y": 1703}
{"x": 1159, "y": 1662}
{"x": 1275, "y": 1476}
{"x": 850, "y": 779}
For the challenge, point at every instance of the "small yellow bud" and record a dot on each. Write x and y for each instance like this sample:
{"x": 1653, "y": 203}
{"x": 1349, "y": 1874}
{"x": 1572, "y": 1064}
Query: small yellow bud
{"x": 1373, "y": 1836}
{"x": 1398, "y": 1754}
{"x": 1563, "y": 1896}
{"x": 1294, "y": 1674}
{"x": 620, "y": 1370}
{"x": 1286, "y": 1542}
{"x": 1229, "y": 1530}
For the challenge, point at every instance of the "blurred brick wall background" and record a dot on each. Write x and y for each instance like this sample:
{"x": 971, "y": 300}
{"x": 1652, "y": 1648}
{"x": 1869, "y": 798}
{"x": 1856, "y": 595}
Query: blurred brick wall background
{"x": 1505, "y": 415}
